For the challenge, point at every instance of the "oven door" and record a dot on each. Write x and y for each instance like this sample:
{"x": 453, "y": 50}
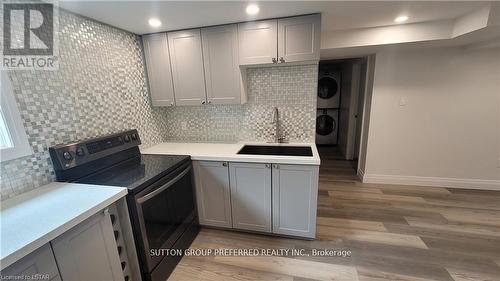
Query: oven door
{"x": 164, "y": 212}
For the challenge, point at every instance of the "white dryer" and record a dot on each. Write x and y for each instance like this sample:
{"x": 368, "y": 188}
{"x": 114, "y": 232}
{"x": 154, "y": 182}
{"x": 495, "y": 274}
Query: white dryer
{"x": 327, "y": 121}
{"x": 329, "y": 89}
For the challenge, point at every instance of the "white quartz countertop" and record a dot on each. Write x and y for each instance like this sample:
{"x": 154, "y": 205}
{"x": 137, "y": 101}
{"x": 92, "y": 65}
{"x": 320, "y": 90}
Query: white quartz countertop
{"x": 32, "y": 219}
{"x": 229, "y": 152}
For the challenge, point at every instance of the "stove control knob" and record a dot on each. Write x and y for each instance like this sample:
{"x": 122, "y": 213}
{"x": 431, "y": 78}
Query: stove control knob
{"x": 134, "y": 136}
{"x": 126, "y": 138}
{"x": 80, "y": 152}
{"x": 67, "y": 155}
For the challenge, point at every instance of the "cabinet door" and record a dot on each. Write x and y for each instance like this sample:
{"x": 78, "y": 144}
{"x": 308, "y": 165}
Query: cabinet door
{"x": 212, "y": 193}
{"x": 39, "y": 265}
{"x": 299, "y": 38}
{"x": 220, "y": 59}
{"x": 158, "y": 67}
{"x": 258, "y": 42}
{"x": 88, "y": 251}
{"x": 251, "y": 196}
{"x": 295, "y": 194}
{"x": 187, "y": 67}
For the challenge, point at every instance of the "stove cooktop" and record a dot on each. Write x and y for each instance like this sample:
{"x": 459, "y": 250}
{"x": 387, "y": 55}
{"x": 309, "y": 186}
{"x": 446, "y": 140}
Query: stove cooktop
{"x": 137, "y": 172}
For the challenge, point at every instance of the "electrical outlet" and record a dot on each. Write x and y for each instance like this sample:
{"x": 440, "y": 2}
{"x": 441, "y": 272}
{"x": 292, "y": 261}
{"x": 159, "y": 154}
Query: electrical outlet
{"x": 184, "y": 126}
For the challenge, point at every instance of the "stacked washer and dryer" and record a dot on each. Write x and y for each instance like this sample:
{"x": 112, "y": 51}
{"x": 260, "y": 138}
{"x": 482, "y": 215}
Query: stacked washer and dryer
{"x": 327, "y": 116}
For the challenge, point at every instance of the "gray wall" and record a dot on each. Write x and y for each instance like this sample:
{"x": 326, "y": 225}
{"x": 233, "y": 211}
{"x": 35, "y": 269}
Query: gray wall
{"x": 100, "y": 88}
{"x": 446, "y": 133}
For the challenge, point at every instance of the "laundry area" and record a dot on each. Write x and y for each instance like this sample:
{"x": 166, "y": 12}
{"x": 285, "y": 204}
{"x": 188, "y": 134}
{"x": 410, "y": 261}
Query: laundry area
{"x": 340, "y": 105}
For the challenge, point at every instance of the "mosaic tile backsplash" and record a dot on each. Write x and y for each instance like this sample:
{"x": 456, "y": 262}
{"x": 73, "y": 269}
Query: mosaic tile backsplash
{"x": 100, "y": 88}
{"x": 290, "y": 88}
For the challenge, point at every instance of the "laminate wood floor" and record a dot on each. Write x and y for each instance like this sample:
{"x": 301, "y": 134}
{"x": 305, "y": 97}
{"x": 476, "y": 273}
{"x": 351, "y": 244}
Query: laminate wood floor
{"x": 407, "y": 233}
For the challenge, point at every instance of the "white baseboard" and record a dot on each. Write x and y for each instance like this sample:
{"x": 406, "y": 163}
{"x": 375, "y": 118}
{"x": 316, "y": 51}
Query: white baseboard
{"x": 361, "y": 175}
{"x": 432, "y": 181}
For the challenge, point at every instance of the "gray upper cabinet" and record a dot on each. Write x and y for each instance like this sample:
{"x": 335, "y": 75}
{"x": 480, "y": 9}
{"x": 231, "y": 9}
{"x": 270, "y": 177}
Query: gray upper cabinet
{"x": 39, "y": 262}
{"x": 293, "y": 39}
{"x": 295, "y": 193}
{"x": 213, "y": 194}
{"x": 158, "y": 69}
{"x": 251, "y": 196}
{"x": 257, "y": 42}
{"x": 88, "y": 251}
{"x": 202, "y": 66}
{"x": 187, "y": 67}
{"x": 220, "y": 59}
{"x": 299, "y": 38}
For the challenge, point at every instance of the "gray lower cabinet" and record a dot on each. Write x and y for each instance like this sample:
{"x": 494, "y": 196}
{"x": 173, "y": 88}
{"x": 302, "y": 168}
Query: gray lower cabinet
{"x": 251, "y": 196}
{"x": 261, "y": 197}
{"x": 295, "y": 193}
{"x": 39, "y": 265}
{"x": 88, "y": 251}
{"x": 213, "y": 194}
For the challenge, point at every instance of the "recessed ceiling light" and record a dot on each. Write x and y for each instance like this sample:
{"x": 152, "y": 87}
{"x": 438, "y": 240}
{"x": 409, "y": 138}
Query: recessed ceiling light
{"x": 252, "y": 9}
{"x": 154, "y": 22}
{"x": 401, "y": 19}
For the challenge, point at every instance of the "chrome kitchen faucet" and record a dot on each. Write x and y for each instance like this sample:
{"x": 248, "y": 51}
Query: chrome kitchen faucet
{"x": 278, "y": 137}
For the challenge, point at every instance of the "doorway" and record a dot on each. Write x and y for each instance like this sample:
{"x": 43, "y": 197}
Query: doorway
{"x": 342, "y": 87}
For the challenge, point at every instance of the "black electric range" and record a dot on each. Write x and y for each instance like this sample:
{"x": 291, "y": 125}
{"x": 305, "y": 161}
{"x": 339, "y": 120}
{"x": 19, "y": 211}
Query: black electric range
{"x": 137, "y": 172}
{"x": 160, "y": 198}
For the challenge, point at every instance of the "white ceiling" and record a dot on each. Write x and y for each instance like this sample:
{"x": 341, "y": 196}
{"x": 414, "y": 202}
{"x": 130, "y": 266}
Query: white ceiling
{"x": 133, "y": 15}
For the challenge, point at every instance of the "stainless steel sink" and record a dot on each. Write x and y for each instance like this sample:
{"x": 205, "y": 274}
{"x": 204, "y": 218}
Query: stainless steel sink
{"x": 276, "y": 150}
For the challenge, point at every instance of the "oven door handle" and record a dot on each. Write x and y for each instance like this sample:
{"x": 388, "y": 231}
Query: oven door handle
{"x": 148, "y": 196}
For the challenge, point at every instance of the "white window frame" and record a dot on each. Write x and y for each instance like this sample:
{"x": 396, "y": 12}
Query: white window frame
{"x": 21, "y": 146}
